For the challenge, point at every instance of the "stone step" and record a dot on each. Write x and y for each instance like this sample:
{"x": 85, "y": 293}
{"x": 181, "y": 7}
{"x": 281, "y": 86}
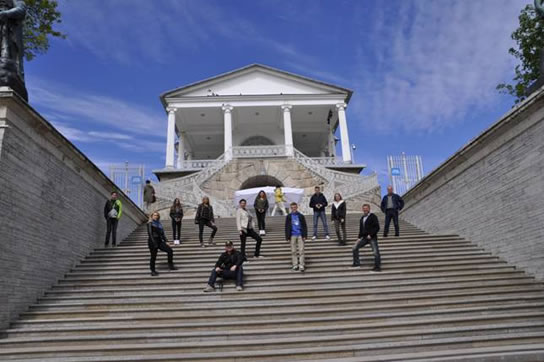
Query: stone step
{"x": 278, "y": 348}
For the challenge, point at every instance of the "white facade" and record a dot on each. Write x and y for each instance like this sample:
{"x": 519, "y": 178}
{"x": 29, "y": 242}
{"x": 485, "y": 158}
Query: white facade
{"x": 255, "y": 111}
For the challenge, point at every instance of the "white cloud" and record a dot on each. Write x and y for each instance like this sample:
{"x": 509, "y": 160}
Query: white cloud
{"x": 441, "y": 60}
{"x": 79, "y": 107}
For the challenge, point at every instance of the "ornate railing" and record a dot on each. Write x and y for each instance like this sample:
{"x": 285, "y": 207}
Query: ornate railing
{"x": 197, "y": 164}
{"x": 259, "y": 151}
{"x": 330, "y": 161}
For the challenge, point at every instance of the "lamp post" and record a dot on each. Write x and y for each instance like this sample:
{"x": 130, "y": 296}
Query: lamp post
{"x": 353, "y": 148}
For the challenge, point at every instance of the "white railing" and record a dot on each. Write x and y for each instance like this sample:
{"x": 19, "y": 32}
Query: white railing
{"x": 259, "y": 151}
{"x": 331, "y": 161}
{"x": 196, "y": 164}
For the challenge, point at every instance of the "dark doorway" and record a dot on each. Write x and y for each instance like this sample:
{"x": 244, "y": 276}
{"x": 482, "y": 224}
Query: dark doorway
{"x": 260, "y": 181}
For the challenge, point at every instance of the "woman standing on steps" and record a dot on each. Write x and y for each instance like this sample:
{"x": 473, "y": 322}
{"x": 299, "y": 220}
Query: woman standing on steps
{"x": 157, "y": 241}
{"x": 204, "y": 217}
{"x": 338, "y": 216}
{"x": 176, "y": 214}
{"x": 261, "y": 207}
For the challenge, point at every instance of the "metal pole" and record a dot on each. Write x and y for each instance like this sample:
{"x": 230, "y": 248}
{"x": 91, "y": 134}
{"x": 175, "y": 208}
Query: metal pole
{"x": 126, "y": 178}
{"x": 418, "y": 168}
{"x": 405, "y": 171}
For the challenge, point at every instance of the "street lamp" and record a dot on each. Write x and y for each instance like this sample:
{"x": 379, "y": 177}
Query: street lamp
{"x": 353, "y": 148}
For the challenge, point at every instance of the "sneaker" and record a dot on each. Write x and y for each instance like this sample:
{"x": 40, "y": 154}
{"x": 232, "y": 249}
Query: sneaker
{"x": 397, "y": 235}
{"x": 377, "y": 269}
{"x": 327, "y": 237}
{"x": 239, "y": 288}
{"x": 261, "y": 232}
{"x": 264, "y": 232}
{"x": 301, "y": 268}
{"x": 258, "y": 256}
{"x": 208, "y": 289}
{"x": 314, "y": 237}
{"x": 295, "y": 268}
{"x": 176, "y": 242}
{"x": 354, "y": 266}
{"x": 211, "y": 242}
{"x": 154, "y": 273}
{"x": 202, "y": 245}
{"x": 172, "y": 267}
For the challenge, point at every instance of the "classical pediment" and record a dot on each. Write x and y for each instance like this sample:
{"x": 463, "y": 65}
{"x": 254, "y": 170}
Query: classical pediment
{"x": 256, "y": 79}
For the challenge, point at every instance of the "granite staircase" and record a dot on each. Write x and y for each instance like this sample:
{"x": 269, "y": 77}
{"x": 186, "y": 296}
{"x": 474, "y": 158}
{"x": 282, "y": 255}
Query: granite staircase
{"x": 438, "y": 298}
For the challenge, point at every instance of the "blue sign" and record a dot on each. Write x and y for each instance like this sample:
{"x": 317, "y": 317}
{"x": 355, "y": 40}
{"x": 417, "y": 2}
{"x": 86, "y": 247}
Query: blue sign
{"x": 136, "y": 180}
{"x": 395, "y": 171}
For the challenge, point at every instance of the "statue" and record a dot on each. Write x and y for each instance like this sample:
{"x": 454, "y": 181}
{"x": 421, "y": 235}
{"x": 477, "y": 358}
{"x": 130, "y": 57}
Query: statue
{"x": 12, "y": 15}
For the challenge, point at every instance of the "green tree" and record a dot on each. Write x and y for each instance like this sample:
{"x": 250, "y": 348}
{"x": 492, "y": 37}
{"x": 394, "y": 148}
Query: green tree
{"x": 529, "y": 38}
{"x": 41, "y": 17}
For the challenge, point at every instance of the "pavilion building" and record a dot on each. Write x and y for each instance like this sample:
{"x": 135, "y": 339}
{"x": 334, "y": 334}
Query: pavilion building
{"x": 257, "y": 126}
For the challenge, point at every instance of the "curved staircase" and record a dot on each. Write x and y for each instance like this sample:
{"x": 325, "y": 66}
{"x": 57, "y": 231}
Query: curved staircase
{"x": 438, "y": 298}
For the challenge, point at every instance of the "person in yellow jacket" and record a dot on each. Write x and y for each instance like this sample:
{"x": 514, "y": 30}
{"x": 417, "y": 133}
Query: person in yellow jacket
{"x": 279, "y": 199}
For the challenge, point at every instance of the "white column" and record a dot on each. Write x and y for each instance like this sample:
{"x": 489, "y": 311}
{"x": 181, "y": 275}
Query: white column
{"x": 170, "y": 137}
{"x": 344, "y": 138}
{"x": 227, "y": 117}
{"x": 287, "y": 129}
{"x": 181, "y": 150}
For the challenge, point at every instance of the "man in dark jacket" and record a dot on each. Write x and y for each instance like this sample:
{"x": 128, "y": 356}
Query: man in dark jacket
{"x": 391, "y": 205}
{"x": 369, "y": 226}
{"x": 318, "y": 202}
{"x": 112, "y": 213}
{"x": 229, "y": 266}
{"x": 296, "y": 232}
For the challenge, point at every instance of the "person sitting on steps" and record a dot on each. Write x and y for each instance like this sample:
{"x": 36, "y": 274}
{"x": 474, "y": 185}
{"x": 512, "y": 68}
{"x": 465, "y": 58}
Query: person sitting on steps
{"x": 157, "y": 241}
{"x": 228, "y": 266}
{"x": 204, "y": 217}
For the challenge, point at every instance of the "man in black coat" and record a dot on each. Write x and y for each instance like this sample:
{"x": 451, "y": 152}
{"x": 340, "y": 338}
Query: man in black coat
{"x": 318, "y": 202}
{"x": 369, "y": 226}
{"x": 391, "y": 205}
{"x": 228, "y": 266}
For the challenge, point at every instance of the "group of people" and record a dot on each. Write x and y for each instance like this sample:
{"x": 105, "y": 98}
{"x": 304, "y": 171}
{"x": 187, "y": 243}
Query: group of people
{"x": 229, "y": 264}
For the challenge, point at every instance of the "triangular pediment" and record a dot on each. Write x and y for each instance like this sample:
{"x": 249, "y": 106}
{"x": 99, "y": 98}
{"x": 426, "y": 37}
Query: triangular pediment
{"x": 255, "y": 79}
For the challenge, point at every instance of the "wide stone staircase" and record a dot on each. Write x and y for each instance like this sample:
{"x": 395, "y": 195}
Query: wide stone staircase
{"x": 438, "y": 298}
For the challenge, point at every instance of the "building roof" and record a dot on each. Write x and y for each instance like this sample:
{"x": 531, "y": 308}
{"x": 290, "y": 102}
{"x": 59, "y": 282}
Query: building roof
{"x": 247, "y": 69}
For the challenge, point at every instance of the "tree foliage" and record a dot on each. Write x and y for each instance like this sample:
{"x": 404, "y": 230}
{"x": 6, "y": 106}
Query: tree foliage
{"x": 529, "y": 38}
{"x": 41, "y": 18}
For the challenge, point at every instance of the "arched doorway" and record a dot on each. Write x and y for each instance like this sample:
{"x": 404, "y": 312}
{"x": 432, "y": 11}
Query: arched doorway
{"x": 260, "y": 181}
{"x": 257, "y": 141}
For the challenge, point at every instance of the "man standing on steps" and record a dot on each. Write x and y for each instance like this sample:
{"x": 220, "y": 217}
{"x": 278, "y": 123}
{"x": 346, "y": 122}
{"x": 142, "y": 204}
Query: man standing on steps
{"x": 391, "y": 205}
{"x": 112, "y": 213}
{"x": 318, "y": 203}
{"x": 149, "y": 196}
{"x": 245, "y": 226}
{"x": 228, "y": 266}
{"x": 369, "y": 226}
{"x": 296, "y": 232}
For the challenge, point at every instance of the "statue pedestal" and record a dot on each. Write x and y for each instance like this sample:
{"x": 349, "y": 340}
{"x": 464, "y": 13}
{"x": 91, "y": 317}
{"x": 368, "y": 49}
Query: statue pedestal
{"x": 9, "y": 77}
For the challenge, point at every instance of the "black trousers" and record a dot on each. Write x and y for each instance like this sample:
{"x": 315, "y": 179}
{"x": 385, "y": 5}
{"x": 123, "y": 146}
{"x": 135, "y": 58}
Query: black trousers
{"x": 176, "y": 229}
{"x": 391, "y": 214}
{"x": 237, "y": 275}
{"x": 252, "y": 234}
{"x": 111, "y": 229}
{"x": 154, "y": 249}
{"x": 260, "y": 220}
{"x": 201, "y": 225}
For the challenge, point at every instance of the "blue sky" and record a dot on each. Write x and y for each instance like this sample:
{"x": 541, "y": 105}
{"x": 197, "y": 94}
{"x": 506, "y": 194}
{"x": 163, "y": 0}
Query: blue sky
{"x": 423, "y": 72}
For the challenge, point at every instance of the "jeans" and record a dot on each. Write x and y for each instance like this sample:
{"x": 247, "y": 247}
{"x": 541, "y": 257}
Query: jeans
{"x": 209, "y": 224}
{"x": 297, "y": 246}
{"x": 340, "y": 226}
{"x": 111, "y": 229}
{"x": 153, "y": 250}
{"x": 391, "y": 214}
{"x": 176, "y": 229}
{"x": 252, "y": 234}
{"x": 237, "y": 275}
{"x": 280, "y": 206}
{"x": 375, "y": 251}
{"x": 320, "y": 215}
{"x": 260, "y": 219}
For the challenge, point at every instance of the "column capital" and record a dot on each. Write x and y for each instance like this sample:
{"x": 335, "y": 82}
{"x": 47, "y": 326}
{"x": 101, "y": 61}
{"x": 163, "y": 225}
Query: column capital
{"x": 286, "y": 107}
{"x": 171, "y": 109}
{"x": 227, "y": 108}
{"x": 341, "y": 106}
